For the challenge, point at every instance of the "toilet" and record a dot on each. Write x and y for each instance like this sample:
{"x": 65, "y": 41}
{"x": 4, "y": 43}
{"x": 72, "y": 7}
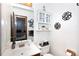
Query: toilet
{"x": 45, "y": 47}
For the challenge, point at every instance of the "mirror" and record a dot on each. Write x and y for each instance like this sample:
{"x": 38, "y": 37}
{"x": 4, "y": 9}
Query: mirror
{"x": 18, "y": 28}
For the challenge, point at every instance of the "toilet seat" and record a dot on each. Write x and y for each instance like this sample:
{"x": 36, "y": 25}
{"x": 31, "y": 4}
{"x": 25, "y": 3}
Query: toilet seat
{"x": 48, "y": 55}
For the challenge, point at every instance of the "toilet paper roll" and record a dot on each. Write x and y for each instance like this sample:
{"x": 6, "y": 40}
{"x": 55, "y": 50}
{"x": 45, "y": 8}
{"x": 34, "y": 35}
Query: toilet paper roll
{"x": 68, "y": 54}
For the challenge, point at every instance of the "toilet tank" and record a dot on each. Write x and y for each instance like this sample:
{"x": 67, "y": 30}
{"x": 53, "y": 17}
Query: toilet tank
{"x": 45, "y": 49}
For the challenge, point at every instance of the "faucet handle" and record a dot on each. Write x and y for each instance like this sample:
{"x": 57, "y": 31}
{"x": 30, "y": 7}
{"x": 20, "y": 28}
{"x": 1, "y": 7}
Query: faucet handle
{"x": 13, "y": 45}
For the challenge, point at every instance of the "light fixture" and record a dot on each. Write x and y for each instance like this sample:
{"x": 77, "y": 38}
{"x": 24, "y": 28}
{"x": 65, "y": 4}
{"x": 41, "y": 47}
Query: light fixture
{"x": 27, "y": 4}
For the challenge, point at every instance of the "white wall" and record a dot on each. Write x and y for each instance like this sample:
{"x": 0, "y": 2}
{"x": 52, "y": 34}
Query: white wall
{"x": 67, "y": 35}
{"x": 5, "y": 25}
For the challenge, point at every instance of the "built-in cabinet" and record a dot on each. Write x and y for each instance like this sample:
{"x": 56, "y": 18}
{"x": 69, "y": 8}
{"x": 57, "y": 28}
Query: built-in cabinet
{"x": 43, "y": 17}
{"x": 43, "y": 21}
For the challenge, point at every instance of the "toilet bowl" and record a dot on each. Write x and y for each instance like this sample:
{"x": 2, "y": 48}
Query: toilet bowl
{"x": 45, "y": 48}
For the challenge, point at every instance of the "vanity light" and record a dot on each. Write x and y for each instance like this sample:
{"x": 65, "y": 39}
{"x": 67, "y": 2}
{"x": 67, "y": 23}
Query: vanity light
{"x": 2, "y": 22}
{"x": 27, "y": 4}
{"x": 21, "y": 6}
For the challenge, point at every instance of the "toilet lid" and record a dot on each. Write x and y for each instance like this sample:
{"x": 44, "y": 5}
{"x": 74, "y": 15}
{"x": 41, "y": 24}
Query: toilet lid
{"x": 48, "y": 55}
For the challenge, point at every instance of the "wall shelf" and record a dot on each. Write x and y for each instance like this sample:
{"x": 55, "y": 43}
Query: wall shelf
{"x": 43, "y": 30}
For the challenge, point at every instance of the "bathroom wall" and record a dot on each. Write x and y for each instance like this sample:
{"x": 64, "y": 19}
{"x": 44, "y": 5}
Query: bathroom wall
{"x": 39, "y": 36}
{"x": 67, "y": 35}
{"x": 6, "y": 11}
{"x": 5, "y": 25}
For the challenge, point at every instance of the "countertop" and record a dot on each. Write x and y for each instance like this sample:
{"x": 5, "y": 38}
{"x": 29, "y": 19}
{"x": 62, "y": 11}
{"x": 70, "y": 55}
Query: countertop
{"x": 28, "y": 50}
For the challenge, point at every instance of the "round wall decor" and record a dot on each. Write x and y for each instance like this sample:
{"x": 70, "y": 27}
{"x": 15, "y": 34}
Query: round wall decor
{"x": 66, "y": 15}
{"x": 77, "y": 4}
{"x": 57, "y": 25}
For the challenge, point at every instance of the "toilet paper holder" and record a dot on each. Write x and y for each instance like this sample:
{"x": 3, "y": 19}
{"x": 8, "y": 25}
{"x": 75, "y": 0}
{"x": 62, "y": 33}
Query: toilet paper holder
{"x": 70, "y": 52}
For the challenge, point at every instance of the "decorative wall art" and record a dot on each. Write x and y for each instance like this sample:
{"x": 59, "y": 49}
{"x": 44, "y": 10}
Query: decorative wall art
{"x": 66, "y": 15}
{"x": 57, "y": 25}
{"x": 31, "y": 23}
{"x": 77, "y": 4}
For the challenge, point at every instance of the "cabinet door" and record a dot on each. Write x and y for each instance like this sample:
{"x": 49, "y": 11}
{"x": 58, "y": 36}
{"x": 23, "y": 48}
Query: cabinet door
{"x": 41, "y": 17}
{"x": 47, "y": 18}
{"x": 44, "y": 17}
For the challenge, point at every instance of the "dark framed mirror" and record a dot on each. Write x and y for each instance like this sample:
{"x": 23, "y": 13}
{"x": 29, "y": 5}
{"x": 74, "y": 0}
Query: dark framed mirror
{"x": 18, "y": 28}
